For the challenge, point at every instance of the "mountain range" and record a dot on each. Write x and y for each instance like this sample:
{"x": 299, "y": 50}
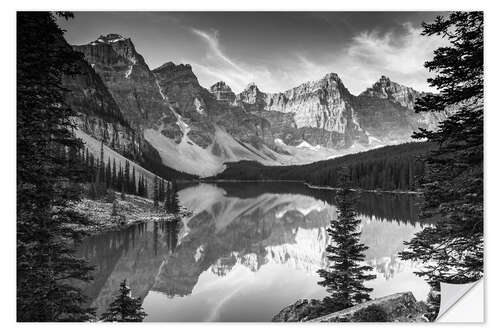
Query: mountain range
{"x": 164, "y": 120}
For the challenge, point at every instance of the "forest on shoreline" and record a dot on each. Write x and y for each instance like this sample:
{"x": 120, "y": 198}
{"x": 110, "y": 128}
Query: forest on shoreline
{"x": 390, "y": 168}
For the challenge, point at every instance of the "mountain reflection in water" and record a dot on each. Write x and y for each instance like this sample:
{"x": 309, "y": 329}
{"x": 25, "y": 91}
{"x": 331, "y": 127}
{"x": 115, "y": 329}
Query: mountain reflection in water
{"x": 248, "y": 250}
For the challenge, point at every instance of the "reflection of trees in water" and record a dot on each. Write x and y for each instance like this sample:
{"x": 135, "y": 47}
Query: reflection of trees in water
{"x": 151, "y": 257}
{"x": 387, "y": 266}
{"x": 171, "y": 234}
{"x": 134, "y": 253}
{"x": 253, "y": 237}
{"x": 390, "y": 206}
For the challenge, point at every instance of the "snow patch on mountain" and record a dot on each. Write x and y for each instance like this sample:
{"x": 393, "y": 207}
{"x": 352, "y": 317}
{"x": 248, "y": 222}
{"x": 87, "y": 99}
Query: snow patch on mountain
{"x": 305, "y": 144}
{"x": 184, "y": 156}
{"x": 187, "y": 156}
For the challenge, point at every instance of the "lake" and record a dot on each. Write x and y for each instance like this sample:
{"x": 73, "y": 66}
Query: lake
{"x": 247, "y": 251}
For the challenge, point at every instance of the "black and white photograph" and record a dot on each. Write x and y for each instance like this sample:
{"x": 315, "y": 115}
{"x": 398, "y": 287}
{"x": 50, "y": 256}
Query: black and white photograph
{"x": 247, "y": 166}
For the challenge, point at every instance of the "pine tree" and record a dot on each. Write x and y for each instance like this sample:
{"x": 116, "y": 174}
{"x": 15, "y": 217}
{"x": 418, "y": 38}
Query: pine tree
{"x": 126, "y": 177}
{"x": 168, "y": 199}
{"x": 124, "y": 307}
{"x": 156, "y": 193}
{"x": 46, "y": 265}
{"x": 452, "y": 250}
{"x": 139, "y": 186}
{"x": 108, "y": 174}
{"x": 174, "y": 203}
{"x": 133, "y": 184}
{"x": 145, "y": 188}
{"x": 345, "y": 275}
{"x": 119, "y": 178}
{"x": 113, "y": 175}
{"x": 161, "y": 190}
{"x": 453, "y": 183}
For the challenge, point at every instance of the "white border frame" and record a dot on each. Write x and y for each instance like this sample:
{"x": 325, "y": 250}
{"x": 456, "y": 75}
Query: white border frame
{"x": 8, "y": 141}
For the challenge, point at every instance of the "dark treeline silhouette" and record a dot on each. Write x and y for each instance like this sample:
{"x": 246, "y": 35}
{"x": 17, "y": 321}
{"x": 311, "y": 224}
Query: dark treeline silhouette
{"x": 48, "y": 176}
{"x": 452, "y": 250}
{"x": 171, "y": 204}
{"x": 389, "y": 168}
{"x": 105, "y": 250}
{"x": 391, "y": 206}
{"x": 102, "y": 175}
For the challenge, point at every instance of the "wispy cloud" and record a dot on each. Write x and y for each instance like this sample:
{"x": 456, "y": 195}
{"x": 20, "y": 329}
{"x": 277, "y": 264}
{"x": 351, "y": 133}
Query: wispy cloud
{"x": 360, "y": 63}
{"x": 369, "y": 55}
{"x": 217, "y": 64}
{"x": 401, "y": 56}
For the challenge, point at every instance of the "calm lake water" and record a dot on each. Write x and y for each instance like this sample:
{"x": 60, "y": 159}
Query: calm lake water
{"x": 248, "y": 250}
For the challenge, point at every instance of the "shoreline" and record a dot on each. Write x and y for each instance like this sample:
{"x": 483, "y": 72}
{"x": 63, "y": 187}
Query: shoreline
{"x": 128, "y": 212}
{"x": 250, "y": 181}
{"x": 329, "y": 188}
{"x": 314, "y": 187}
{"x": 99, "y": 228}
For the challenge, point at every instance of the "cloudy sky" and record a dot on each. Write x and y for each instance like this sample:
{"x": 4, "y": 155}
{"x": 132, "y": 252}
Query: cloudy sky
{"x": 275, "y": 50}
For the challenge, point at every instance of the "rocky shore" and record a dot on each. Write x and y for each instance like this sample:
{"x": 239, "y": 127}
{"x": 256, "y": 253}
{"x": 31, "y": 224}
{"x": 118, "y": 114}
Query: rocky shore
{"x": 399, "y": 307}
{"x": 117, "y": 213}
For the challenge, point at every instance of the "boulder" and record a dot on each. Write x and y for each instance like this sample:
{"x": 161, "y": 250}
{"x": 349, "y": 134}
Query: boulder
{"x": 400, "y": 307}
{"x": 302, "y": 310}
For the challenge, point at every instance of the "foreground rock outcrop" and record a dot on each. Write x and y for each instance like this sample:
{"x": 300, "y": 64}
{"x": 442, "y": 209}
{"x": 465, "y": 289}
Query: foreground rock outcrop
{"x": 302, "y": 310}
{"x": 400, "y": 307}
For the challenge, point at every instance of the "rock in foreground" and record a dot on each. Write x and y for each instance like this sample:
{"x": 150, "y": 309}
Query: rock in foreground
{"x": 302, "y": 310}
{"x": 400, "y": 307}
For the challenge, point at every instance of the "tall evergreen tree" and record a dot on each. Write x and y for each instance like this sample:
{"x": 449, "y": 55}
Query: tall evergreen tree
{"x": 133, "y": 183}
{"x": 144, "y": 192}
{"x": 145, "y": 183}
{"x": 168, "y": 199}
{"x": 126, "y": 176}
{"x": 161, "y": 190}
{"x": 124, "y": 307}
{"x": 452, "y": 250}
{"x": 108, "y": 173}
{"x": 156, "y": 193}
{"x": 174, "y": 203}
{"x": 45, "y": 258}
{"x": 345, "y": 274}
{"x": 113, "y": 176}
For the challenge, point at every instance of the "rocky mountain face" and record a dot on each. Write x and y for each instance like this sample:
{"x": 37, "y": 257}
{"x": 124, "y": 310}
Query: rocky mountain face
{"x": 223, "y": 92}
{"x": 189, "y": 128}
{"x": 386, "y": 111}
{"x": 384, "y": 88}
{"x": 99, "y": 114}
{"x": 128, "y": 78}
{"x": 319, "y": 112}
{"x": 205, "y": 112}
